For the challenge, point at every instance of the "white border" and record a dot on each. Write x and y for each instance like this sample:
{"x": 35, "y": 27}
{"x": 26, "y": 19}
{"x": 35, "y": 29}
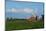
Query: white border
{"x": 2, "y": 15}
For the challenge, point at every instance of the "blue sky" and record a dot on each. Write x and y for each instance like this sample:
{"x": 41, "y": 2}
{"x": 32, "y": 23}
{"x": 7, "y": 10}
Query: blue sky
{"x": 23, "y": 9}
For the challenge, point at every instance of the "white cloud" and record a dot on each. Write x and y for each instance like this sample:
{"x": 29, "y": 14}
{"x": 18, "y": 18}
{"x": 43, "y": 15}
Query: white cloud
{"x": 23, "y": 10}
{"x": 32, "y": 11}
{"x": 8, "y": 10}
{"x": 20, "y": 10}
{"x": 13, "y": 10}
{"x": 28, "y": 10}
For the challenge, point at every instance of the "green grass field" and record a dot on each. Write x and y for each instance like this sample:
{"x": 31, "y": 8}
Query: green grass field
{"x": 21, "y": 24}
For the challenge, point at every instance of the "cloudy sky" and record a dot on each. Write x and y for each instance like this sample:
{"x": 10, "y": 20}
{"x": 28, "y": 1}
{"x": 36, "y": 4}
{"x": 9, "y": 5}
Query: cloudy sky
{"x": 23, "y": 9}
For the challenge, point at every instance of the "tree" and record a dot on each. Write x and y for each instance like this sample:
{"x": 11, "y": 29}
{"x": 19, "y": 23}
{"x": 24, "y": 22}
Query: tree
{"x": 7, "y": 19}
{"x": 36, "y": 17}
{"x": 43, "y": 17}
